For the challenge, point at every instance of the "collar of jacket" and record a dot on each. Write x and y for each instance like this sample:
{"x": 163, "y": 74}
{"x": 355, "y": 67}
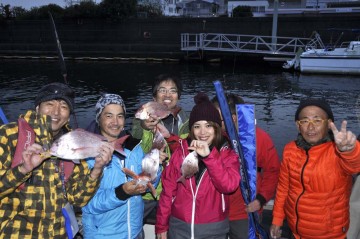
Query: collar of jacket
{"x": 176, "y": 111}
{"x": 301, "y": 143}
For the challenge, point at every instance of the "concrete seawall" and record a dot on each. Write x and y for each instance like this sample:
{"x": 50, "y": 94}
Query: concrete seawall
{"x": 144, "y": 39}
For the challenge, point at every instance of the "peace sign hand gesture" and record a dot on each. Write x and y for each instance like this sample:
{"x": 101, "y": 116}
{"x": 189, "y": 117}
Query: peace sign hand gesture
{"x": 345, "y": 140}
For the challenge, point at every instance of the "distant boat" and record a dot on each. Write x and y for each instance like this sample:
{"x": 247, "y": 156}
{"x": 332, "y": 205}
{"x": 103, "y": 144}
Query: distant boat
{"x": 342, "y": 60}
{"x": 339, "y": 60}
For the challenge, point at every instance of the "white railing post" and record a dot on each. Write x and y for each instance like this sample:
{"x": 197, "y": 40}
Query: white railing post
{"x": 274, "y": 26}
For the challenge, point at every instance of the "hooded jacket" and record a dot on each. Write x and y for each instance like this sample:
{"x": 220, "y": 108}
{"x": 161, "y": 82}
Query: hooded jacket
{"x": 198, "y": 204}
{"x": 181, "y": 118}
{"x": 107, "y": 216}
{"x": 314, "y": 190}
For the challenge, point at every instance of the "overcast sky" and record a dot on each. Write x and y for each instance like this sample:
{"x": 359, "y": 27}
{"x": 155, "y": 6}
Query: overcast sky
{"x": 27, "y": 4}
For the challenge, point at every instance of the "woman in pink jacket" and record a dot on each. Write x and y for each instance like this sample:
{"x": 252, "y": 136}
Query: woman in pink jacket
{"x": 196, "y": 205}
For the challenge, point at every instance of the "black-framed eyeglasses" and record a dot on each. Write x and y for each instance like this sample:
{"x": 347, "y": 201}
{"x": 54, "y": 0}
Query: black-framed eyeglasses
{"x": 164, "y": 91}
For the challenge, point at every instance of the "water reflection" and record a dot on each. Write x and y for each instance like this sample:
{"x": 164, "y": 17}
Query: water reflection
{"x": 275, "y": 93}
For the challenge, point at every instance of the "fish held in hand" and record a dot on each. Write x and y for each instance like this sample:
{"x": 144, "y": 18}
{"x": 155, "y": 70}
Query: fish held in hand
{"x": 163, "y": 130}
{"x": 150, "y": 163}
{"x": 189, "y": 167}
{"x": 80, "y": 144}
{"x": 152, "y": 109}
{"x": 159, "y": 141}
{"x": 150, "y": 167}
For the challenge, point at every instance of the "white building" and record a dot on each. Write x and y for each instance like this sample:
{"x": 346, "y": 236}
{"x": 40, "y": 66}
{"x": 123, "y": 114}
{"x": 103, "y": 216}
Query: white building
{"x": 190, "y": 8}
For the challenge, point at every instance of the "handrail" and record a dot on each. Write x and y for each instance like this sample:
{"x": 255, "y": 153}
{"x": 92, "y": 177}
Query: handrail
{"x": 241, "y": 43}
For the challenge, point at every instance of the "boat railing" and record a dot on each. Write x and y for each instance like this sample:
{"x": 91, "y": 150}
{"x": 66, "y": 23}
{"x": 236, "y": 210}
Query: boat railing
{"x": 315, "y": 42}
{"x": 345, "y": 44}
{"x": 242, "y": 43}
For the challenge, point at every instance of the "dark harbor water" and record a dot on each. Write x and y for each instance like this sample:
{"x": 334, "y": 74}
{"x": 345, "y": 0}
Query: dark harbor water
{"x": 274, "y": 92}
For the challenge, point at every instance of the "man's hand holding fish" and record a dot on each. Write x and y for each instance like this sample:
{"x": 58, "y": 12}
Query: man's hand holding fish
{"x": 150, "y": 123}
{"x": 134, "y": 188}
{"x": 102, "y": 160}
{"x": 32, "y": 158}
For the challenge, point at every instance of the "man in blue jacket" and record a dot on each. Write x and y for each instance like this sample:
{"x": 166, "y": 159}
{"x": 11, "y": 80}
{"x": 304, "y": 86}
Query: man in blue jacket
{"x": 116, "y": 210}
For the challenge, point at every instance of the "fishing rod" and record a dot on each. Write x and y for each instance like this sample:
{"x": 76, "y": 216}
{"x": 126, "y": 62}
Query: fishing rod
{"x": 3, "y": 117}
{"x": 255, "y": 229}
{"x": 59, "y": 50}
{"x": 61, "y": 58}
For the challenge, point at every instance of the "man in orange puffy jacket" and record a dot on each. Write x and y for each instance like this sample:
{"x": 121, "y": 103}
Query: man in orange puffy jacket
{"x": 316, "y": 176}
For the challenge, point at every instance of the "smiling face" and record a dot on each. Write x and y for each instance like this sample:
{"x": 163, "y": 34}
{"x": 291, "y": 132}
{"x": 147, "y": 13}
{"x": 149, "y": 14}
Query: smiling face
{"x": 58, "y": 110}
{"x": 202, "y": 130}
{"x": 112, "y": 121}
{"x": 167, "y": 94}
{"x": 313, "y": 124}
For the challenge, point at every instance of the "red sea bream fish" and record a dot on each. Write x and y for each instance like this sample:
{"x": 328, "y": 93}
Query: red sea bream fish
{"x": 189, "y": 166}
{"x": 150, "y": 167}
{"x": 151, "y": 161}
{"x": 152, "y": 109}
{"x": 80, "y": 144}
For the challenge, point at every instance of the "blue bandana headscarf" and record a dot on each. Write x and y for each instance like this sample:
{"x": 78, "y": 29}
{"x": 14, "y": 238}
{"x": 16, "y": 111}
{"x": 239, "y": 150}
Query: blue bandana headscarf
{"x": 108, "y": 99}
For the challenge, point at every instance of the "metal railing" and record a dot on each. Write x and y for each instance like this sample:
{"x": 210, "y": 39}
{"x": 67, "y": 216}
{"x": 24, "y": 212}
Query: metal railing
{"x": 287, "y": 46}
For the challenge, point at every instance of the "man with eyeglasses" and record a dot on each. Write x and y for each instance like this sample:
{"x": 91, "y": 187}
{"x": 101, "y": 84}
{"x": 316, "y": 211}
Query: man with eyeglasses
{"x": 166, "y": 90}
{"x": 316, "y": 175}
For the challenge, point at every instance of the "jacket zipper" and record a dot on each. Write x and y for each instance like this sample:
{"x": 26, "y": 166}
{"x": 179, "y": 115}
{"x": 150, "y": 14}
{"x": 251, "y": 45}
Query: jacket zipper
{"x": 194, "y": 202}
{"x": 302, "y": 193}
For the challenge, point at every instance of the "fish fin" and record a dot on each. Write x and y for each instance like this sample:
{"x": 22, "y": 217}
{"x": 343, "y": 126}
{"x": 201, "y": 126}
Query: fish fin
{"x": 99, "y": 136}
{"x": 80, "y": 129}
{"x": 121, "y": 151}
{"x": 130, "y": 173}
{"x": 45, "y": 154}
{"x": 118, "y": 145}
{"x": 158, "y": 141}
{"x": 152, "y": 189}
{"x": 163, "y": 130}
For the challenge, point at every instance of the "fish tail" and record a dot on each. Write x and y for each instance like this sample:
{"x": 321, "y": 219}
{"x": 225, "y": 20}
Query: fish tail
{"x": 152, "y": 189}
{"x": 130, "y": 173}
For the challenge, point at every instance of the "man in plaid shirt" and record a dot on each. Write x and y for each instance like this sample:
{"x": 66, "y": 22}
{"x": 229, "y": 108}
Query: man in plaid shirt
{"x": 33, "y": 193}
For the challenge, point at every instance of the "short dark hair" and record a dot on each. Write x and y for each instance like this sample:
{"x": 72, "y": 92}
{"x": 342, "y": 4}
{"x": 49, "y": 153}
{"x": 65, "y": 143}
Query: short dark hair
{"x": 232, "y": 101}
{"x": 166, "y": 77}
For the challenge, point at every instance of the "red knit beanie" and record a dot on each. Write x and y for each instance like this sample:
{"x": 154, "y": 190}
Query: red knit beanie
{"x": 203, "y": 110}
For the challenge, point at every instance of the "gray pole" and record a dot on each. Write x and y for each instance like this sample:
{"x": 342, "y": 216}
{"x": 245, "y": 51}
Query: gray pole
{"x": 274, "y": 27}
